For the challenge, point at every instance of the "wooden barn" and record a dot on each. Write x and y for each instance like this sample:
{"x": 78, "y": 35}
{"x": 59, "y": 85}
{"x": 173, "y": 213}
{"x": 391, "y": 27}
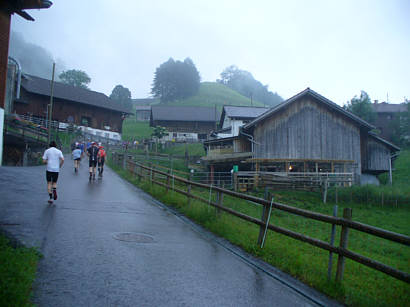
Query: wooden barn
{"x": 142, "y": 113}
{"x": 184, "y": 123}
{"x": 308, "y": 133}
{"x": 71, "y": 104}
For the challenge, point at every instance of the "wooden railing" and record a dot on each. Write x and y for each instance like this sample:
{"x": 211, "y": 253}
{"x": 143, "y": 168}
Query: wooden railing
{"x": 144, "y": 172}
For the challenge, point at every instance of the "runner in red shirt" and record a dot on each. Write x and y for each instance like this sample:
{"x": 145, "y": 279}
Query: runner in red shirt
{"x": 101, "y": 159}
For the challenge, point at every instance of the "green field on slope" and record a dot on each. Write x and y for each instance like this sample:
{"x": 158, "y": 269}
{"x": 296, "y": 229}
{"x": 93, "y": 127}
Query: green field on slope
{"x": 213, "y": 94}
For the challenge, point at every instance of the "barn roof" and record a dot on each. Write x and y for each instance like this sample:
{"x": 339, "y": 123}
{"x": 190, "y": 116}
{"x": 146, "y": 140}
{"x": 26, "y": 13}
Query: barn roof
{"x": 385, "y": 107}
{"x": 320, "y": 98}
{"x": 40, "y": 86}
{"x": 241, "y": 112}
{"x": 244, "y": 112}
{"x": 177, "y": 113}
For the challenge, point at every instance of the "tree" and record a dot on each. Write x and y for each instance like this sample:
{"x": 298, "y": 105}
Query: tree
{"x": 244, "y": 83}
{"x": 361, "y": 107}
{"x": 75, "y": 77}
{"x": 158, "y": 133}
{"x": 175, "y": 80}
{"x": 122, "y": 95}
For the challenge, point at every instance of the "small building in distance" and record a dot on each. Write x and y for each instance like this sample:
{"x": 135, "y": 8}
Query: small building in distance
{"x": 184, "y": 124}
{"x": 386, "y": 113}
{"x": 234, "y": 117}
{"x": 142, "y": 113}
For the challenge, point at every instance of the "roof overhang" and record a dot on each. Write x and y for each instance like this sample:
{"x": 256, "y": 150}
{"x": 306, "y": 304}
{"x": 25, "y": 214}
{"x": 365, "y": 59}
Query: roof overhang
{"x": 392, "y": 146}
{"x": 18, "y": 7}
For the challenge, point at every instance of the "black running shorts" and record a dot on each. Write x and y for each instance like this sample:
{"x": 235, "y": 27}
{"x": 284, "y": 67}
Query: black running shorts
{"x": 51, "y": 176}
{"x": 93, "y": 163}
{"x": 101, "y": 162}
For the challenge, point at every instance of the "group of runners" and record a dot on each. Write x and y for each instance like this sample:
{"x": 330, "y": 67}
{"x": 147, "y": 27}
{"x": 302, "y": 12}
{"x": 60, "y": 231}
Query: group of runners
{"x": 54, "y": 159}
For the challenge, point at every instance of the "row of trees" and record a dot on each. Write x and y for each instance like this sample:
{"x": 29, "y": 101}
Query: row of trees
{"x": 244, "y": 83}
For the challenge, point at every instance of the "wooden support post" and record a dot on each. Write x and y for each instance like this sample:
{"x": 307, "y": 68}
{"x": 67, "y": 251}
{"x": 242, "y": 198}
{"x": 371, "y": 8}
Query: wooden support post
{"x": 256, "y": 176}
{"x": 212, "y": 175}
{"x": 344, "y": 238}
{"x": 235, "y": 181}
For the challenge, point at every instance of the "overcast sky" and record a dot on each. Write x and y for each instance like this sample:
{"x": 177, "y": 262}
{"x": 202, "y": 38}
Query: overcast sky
{"x": 336, "y": 48}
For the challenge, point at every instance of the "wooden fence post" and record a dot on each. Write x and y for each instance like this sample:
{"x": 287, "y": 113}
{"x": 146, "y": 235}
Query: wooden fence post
{"x": 139, "y": 174}
{"x": 332, "y": 241}
{"x": 235, "y": 181}
{"x": 325, "y": 186}
{"x": 168, "y": 178}
{"x": 189, "y": 189}
{"x": 344, "y": 237}
{"x": 220, "y": 199}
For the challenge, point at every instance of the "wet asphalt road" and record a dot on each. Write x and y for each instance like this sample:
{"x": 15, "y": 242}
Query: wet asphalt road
{"x": 84, "y": 265}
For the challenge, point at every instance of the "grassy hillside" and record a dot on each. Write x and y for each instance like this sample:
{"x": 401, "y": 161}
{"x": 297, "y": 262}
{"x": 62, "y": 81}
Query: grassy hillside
{"x": 133, "y": 130}
{"x": 212, "y": 93}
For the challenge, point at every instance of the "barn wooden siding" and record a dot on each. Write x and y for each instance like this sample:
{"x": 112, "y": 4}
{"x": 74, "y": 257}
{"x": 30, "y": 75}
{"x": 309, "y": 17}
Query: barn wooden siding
{"x": 308, "y": 130}
{"x": 62, "y": 109}
{"x": 377, "y": 157}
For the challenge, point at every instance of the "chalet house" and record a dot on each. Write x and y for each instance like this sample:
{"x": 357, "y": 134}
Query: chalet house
{"x": 184, "y": 123}
{"x": 142, "y": 113}
{"x": 386, "y": 113}
{"x": 306, "y": 133}
{"x": 75, "y": 105}
{"x": 234, "y": 117}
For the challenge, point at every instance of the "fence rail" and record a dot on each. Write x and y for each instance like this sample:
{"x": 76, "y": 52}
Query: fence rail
{"x": 138, "y": 169}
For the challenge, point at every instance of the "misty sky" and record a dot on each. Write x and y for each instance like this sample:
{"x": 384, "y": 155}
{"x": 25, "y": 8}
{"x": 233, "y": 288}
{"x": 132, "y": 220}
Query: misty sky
{"x": 337, "y": 48}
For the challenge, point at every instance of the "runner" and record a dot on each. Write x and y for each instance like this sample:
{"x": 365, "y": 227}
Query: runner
{"x": 101, "y": 160}
{"x": 54, "y": 159}
{"x": 77, "y": 158}
{"x": 92, "y": 153}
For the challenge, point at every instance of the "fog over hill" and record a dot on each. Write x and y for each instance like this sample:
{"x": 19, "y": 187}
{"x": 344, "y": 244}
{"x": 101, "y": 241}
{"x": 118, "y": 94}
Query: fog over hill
{"x": 34, "y": 59}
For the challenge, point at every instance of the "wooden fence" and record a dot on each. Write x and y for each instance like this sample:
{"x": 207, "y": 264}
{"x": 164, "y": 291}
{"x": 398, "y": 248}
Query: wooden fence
{"x": 346, "y": 223}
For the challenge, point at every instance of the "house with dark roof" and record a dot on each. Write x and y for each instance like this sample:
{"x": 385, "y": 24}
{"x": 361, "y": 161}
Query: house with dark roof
{"x": 386, "y": 113}
{"x": 306, "y": 133}
{"x": 75, "y": 105}
{"x": 234, "y": 117}
{"x": 184, "y": 123}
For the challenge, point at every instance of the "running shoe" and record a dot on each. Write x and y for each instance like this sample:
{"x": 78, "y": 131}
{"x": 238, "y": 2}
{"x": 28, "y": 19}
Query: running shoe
{"x": 55, "y": 194}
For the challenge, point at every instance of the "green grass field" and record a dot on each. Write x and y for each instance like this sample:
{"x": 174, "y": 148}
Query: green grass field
{"x": 135, "y": 130}
{"x": 213, "y": 94}
{"x": 17, "y": 272}
{"x": 361, "y": 286}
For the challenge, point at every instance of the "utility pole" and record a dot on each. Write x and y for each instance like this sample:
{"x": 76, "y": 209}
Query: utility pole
{"x": 50, "y": 113}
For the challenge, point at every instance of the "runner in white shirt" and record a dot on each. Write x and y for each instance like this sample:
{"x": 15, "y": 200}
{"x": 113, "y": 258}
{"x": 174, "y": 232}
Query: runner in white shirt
{"x": 54, "y": 159}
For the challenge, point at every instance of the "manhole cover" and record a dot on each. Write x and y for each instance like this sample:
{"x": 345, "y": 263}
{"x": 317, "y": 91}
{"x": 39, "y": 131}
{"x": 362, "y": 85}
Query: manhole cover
{"x": 133, "y": 237}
